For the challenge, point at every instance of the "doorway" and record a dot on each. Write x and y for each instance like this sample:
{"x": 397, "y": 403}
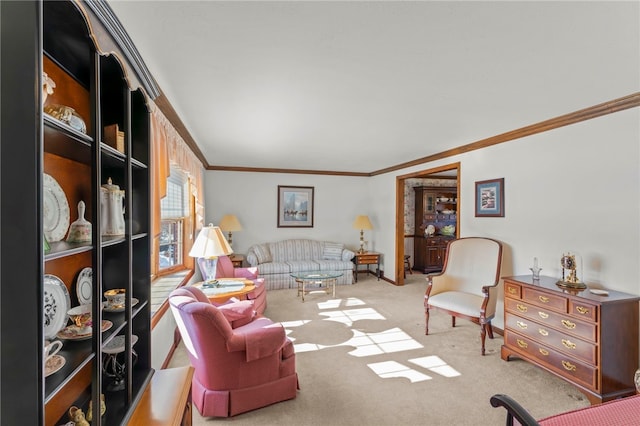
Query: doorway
{"x": 449, "y": 171}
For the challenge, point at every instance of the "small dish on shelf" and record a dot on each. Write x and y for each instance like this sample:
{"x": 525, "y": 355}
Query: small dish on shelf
{"x": 55, "y": 208}
{"x": 84, "y": 286}
{"x": 53, "y": 364}
{"x": 56, "y": 304}
{"x": 73, "y": 332}
{"x": 117, "y": 308}
{"x": 67, "y": 115}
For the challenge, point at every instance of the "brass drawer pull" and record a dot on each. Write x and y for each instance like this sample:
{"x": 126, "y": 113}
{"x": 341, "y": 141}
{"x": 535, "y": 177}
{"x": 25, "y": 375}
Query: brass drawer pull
{"x": 521, "y": 324}
{"x": 543, "y": 332}
{"x": 544, "y": 351}
{"x": 512, "y": 290}
{"x": 570, "y": 325}
{"x": 568, "y": 344}
{"x": 543, "y": 315}
{"x": 521, "y": 308}
{"x": 543, "y": 299}
{"x": 568, "y": 366}
{"x": 582, "y": 310}
{"x": 522, "y": 344}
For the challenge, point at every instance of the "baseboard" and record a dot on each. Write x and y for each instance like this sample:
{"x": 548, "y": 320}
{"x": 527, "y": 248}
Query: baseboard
{"x": 174, "y": 346}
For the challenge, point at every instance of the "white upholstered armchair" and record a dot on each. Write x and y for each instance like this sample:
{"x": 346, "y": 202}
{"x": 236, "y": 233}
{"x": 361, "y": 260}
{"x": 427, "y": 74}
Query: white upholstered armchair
{"x": 467, "y": 287}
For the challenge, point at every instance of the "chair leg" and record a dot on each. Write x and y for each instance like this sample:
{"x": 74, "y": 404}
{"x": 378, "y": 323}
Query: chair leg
{"x": 489, "y": 329}
{"x": 426, "y": 321}
{"x": 483, "y": 333}
{"x": 453, "y": 321}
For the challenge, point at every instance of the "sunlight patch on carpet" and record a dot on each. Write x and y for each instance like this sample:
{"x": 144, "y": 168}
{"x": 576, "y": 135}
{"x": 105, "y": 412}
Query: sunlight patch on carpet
{"x": 349, "y": 316}
{"x": 335, "y": 303}
{"x": 437, "y": 365}
{"x": 392, "y": 340}
{"x": 393, "y": 369}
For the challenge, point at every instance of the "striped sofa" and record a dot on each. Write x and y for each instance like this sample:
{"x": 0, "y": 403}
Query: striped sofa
{"x": 276, "y": 261}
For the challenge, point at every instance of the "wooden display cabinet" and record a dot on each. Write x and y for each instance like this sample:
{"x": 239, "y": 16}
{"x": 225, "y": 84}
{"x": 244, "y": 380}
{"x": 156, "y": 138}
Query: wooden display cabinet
{"x": 98, "y": 86}
{"x": 431, "y": 209}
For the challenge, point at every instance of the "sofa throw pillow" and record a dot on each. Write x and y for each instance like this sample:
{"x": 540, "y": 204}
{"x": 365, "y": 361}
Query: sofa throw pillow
{"x": 263, "y": 254}
{"x": 332, "y": 251}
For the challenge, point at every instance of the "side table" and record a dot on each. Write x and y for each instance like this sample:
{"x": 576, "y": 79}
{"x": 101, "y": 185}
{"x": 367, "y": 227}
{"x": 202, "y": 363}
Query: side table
{"x": 229, "y": 287}
{"x": 237, "y": 260}
{"x": 368, "y": 258}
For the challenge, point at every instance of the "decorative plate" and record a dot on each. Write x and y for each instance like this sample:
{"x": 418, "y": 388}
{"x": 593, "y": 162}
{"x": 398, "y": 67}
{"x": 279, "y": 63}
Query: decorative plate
{"x": 116, "y": 345}
{"x": 54, "y": 364}
{"x": 56, "y": 304}
{"x": 55, "y": 210}
{"x": 119, "y": 308}
{"x": 84, "y": 286}
{"x": 71, "y": 332}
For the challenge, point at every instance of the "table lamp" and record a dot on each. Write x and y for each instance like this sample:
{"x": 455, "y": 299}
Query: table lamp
{"x": 208, "y": 246}
{"x": 230, "y": 223}
{"x": 362, "y": 222}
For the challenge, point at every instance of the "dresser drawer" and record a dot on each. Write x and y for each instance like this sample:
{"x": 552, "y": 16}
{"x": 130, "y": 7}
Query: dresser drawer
{"x": 549, "y": 337}
{"x": 585, "y": 311}
{"x": 512, "y": 289}
{"x": 547, "y": 300}
{"x": 562, "y": 364}
{"x": 561, "y": 322}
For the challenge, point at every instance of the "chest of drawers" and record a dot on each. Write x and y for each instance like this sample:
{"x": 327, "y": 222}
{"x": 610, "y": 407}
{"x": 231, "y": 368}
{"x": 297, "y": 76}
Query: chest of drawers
{"x": 589, "y": 340}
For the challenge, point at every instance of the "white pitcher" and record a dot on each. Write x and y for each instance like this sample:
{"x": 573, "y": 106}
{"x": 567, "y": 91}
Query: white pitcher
{"x": 112, "y": 209}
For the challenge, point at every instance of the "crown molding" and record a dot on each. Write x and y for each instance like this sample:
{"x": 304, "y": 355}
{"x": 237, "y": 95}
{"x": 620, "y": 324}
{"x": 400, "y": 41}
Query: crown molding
{"x": 107, "y": 17}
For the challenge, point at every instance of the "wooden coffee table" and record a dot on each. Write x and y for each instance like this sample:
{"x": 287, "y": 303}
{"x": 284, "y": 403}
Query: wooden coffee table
{"x": 228, "y": 288}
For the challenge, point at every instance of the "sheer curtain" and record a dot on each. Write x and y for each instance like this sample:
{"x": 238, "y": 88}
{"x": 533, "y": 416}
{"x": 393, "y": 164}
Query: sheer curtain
{"x": 169, "y": 149}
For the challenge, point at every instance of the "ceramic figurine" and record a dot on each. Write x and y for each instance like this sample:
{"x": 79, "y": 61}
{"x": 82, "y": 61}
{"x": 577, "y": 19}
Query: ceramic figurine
{"x": 77, "y": 416}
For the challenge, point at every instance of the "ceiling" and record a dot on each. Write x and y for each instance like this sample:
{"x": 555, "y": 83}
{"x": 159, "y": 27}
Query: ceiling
{"x": 358, "y": 86}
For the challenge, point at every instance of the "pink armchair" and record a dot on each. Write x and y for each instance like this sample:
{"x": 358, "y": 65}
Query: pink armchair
{"x": 236, "y": 369}
{"x": 225, "y": 269}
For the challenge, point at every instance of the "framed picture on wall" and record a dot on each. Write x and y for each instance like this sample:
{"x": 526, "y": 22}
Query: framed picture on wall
{"x": 295, "y": 206}
{"x": 490, "y": 198}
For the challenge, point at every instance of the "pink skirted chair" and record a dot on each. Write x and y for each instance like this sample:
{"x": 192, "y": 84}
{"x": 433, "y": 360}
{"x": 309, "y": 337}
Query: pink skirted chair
{"x": 225, "y": 269}
{"x": 242, "y": 362}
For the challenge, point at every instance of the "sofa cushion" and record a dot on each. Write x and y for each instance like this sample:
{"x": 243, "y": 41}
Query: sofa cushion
{"x": 296, "y": 249}
{"x": 332, "y": 251}
{"x": 263, "y": 253}
{"x": 334, "y": 265}
{"x": 273, "y": 268}
{"x": 303, "y": 265}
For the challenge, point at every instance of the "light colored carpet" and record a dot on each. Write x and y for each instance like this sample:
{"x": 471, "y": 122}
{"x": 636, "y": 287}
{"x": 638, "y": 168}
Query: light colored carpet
{"x": 363, "y": 359}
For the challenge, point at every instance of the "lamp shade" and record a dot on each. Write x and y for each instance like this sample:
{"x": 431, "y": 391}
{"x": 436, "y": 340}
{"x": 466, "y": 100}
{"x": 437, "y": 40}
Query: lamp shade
{"x": 230, "y": 223}
{"x": 362, "y": 222}
{"x": 210, "y": 243}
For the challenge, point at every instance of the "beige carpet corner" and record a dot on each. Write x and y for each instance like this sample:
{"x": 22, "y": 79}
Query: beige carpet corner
{"x": 341, "y": 379}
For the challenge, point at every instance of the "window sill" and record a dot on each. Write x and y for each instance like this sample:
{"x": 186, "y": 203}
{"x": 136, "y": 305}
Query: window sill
{"x": 160, "y": 290}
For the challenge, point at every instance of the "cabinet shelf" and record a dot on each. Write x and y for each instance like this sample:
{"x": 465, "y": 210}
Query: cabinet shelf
{"x": 60, "y": 249}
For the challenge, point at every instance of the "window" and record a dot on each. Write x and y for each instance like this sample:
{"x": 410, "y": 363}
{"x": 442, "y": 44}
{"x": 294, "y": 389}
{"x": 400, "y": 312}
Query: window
{"x": 174, "y": 213}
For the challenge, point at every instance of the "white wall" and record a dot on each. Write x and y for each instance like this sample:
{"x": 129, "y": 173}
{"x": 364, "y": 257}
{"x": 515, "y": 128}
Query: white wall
{"x": 253, "y": 198}
{"x": 575, "y": 189}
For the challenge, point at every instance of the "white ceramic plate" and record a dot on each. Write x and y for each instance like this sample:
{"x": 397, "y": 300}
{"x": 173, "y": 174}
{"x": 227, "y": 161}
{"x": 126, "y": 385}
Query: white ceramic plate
{"x": 107, "y": 308}
{"x": 84, "y": 286}
{"x": 55, "y": 209}
{"x": 53, "y": 364}
{"x": 56, "y": 304}
{"x": 116, "y": 345}
{"x": 71, "y": 332}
